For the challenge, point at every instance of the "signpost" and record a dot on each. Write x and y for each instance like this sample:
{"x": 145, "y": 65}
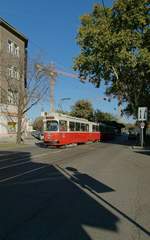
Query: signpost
{"x": 142, "y": 135}
{"x": 142, "y": 116}
{"x": 142, "y": 113}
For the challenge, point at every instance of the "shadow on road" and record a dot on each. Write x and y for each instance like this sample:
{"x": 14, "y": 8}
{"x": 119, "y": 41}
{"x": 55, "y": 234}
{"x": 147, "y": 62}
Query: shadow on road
{"x": 122, "y": 140}
{"x": 86, "y": 181}
{"x": 40, "y": 144}
{"x": 38, "y": 201}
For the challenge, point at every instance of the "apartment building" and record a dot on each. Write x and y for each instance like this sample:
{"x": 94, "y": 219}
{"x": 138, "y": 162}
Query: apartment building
{"x": 13, "y": 60}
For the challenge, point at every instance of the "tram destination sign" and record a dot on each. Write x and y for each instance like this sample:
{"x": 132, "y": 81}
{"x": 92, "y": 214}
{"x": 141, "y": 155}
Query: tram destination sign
{"x": 142, "y": 113}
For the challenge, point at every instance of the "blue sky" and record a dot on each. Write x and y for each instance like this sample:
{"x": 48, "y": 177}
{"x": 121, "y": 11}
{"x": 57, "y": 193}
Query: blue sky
{"x": 51, "y": 27}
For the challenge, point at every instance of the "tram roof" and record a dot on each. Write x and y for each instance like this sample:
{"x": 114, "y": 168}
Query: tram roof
{"x": 67, "y": 117}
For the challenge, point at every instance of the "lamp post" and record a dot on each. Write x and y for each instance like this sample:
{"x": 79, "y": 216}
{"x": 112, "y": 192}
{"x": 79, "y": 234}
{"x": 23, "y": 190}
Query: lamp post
{"x": 60, "y": 103}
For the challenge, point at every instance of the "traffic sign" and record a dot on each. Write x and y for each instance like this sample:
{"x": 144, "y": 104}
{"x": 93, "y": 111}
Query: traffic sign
{"x": 142, "y": 113}
{"x": 142, "y": 124}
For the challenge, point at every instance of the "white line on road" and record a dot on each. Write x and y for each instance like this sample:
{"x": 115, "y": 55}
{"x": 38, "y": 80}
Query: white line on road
{"x": 22, "y": 174}
{"x": 16, "y": 164}
{"x": 23, "y": 163}
{"x": 28, "y": 161}
{"x": 9, "y": 159}
{"x": 60, "y": 177}
{"x": 30, "y": 156}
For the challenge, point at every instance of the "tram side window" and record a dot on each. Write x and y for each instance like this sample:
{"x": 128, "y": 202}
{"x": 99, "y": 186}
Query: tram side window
{"x": 101, "y": 128}
{"x": 77, "y": 126}
{"x": 93, "y": 128}
{"x": 97, "y": 128}
{"x": 52, "y": 126}
{"x": 72, "y": 126}
{"x": 62, "y": 125}
{"x": 83, "y": 127}
{"x": 87, "y": 127}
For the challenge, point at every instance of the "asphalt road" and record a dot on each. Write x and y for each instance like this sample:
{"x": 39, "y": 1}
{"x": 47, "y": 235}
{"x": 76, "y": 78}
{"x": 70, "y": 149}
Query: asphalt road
{"x": 88, "y": 192}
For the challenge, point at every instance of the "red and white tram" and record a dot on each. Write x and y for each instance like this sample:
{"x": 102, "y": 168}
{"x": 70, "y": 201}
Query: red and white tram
{"x": 60, "y": 129}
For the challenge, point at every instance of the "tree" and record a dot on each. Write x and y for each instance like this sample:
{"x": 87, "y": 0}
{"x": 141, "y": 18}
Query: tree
{"x": 38, "y": 124}
{"x": 82, "y": 109}
{"x": 103, "y": 116}
{"x": 23, "y": 89}
{"x": 115, "y": 47}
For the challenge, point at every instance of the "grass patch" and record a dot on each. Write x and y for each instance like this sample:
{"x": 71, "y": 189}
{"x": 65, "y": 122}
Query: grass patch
{"x": 12, "y": 145}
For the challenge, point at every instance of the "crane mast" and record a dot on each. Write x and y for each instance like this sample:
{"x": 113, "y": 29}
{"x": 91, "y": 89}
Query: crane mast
{"x": 52, "y": 73}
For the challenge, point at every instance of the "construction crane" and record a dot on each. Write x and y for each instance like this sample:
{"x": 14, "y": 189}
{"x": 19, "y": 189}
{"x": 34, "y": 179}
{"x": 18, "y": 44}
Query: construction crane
{"x": 52, "y": 73}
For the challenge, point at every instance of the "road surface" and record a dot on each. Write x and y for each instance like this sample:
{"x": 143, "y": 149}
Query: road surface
{"x": 88, "y": 192}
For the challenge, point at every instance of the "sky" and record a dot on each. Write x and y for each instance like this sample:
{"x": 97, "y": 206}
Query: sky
{"x": 51, "y": 28}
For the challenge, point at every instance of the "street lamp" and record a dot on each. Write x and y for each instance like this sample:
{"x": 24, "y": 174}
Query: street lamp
{"x": 60, "y": 103}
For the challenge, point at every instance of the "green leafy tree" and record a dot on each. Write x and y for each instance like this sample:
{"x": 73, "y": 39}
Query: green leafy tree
{"x": 38, "y": 124}
{"x": 115, "y": 47}
{"x": 82, "y": 109}
{"x": 104, "y": 116}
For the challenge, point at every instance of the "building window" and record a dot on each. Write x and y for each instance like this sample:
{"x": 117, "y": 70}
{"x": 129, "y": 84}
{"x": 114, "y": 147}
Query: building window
{"x": 10, "y": 72}
{"x": 12, "y": 97}
{"x": 13, "y": 48}
{"x": 3, "y": 98}
{"x": 12, "y": 127}
{"x": 10, "y": 46}
{"x": 16, "y": 50}
{"x": 16, "y": 73}
{"x": 13, "y": 72}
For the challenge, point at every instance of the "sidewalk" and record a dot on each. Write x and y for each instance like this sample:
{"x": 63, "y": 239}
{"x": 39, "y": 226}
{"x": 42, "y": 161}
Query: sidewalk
{"x": 11, "y": 142}
{"x": 140, "y": 149}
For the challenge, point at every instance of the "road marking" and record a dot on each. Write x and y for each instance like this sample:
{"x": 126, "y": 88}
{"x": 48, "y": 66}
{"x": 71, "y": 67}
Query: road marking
{"x": 4, "y": 154}
{"x": 16, "y": 164}
{"x": 30, "y": 156}
{"x": 9, "y": 159}
{"x": 60, "y": 177}
{"x": 22, "y": 174}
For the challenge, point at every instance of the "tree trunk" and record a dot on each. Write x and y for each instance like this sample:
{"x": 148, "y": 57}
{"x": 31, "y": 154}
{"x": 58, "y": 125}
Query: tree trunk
{"x": 19, "y": 130}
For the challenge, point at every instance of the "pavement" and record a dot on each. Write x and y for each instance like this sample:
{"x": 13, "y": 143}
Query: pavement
{"x": 140, "y": 149}
{"x": 11, "y": 142}
{"x": 88, "y": 192}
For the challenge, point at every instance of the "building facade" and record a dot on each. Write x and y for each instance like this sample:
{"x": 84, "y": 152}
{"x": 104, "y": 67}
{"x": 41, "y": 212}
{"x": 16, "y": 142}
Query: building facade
{"x": 13, "y": 61}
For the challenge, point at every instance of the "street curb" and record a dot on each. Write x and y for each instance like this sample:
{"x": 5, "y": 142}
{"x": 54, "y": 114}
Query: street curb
{"x": 139, "y": 149}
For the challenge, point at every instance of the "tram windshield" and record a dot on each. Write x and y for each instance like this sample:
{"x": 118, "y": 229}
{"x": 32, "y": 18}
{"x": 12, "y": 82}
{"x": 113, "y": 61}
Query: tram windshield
{"x": 52, "y": 125}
